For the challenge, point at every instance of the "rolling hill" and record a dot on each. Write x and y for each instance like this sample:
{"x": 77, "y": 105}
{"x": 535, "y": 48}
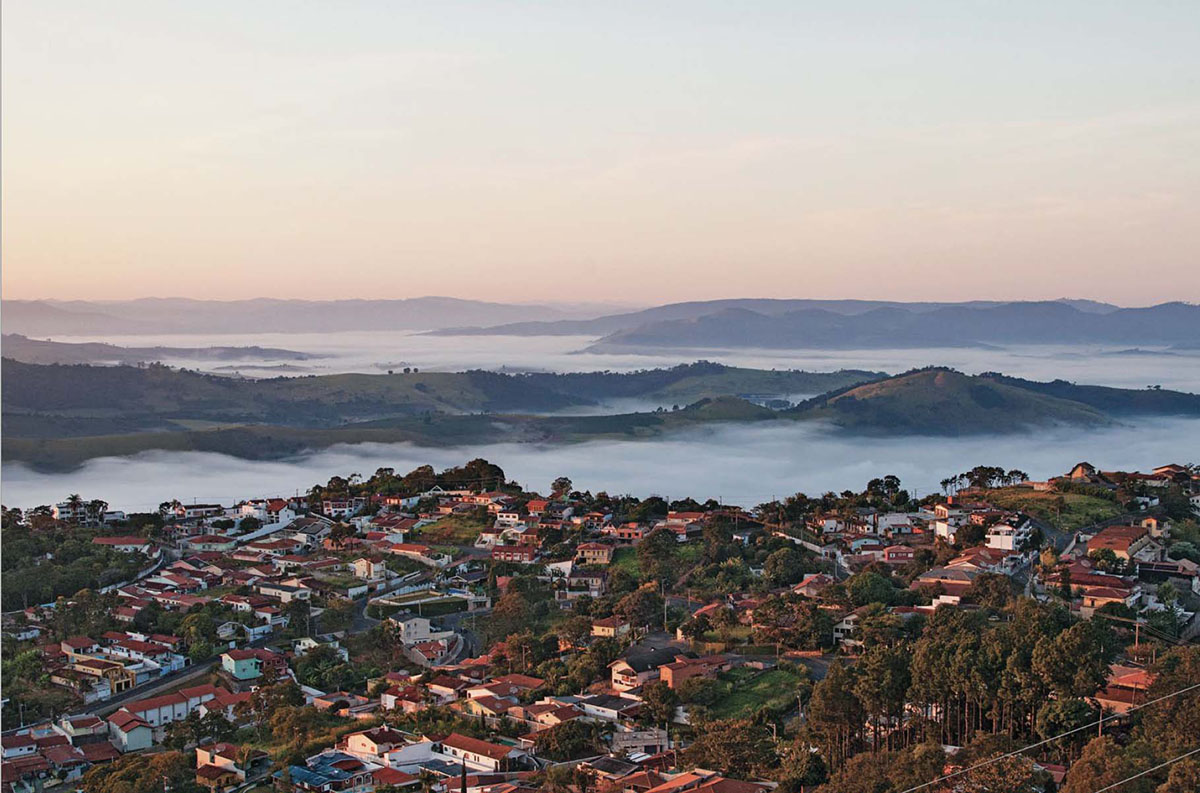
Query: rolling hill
{"x": 944, "y": 402}
{"x": 27, "y": 350}
{"x": 61, "y": 416}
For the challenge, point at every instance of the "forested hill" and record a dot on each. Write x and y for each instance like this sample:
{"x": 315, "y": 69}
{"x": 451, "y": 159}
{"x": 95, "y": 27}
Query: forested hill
{"x": 27, "y": 350}
{"x": 59, "y": 401}
{"x": 703, "y": 379}
{"x": 944, "y": 402}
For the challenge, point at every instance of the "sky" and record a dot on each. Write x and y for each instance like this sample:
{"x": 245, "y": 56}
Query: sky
{"x": 618, "y": 151}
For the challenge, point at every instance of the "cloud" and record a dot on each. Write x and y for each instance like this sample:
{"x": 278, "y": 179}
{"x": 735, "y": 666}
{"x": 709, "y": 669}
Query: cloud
{"x": 739, "y": 464}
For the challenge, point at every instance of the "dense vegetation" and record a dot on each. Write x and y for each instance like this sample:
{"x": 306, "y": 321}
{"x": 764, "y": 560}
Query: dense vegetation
{"x": 51, "y": 422}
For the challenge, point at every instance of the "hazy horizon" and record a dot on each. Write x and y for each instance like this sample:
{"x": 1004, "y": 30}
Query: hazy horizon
{"x": 671, "y": 152}
{"x": 614, "y": 305}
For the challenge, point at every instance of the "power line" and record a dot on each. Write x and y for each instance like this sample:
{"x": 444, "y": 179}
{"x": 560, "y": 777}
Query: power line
{"x": 1048, "y": 740}
{"x": 1147, "y": 771}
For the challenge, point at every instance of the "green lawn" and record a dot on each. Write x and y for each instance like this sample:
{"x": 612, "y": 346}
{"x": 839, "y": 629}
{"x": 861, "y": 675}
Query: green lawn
{"x": 626, "y": 559}
{"x": 452, "y": 530}
{"x": 1064, "y": 511}
{"x": 749, "y": 690}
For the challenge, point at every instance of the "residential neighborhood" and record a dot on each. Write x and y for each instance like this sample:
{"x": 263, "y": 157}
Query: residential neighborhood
{"x": 468, "y": 634}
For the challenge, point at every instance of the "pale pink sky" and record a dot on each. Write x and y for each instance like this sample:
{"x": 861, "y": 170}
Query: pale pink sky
{"x": 683, "y": 150}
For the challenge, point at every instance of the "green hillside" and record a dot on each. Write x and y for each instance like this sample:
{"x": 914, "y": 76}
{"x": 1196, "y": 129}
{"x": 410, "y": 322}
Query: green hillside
{"x": 944, "y": 402}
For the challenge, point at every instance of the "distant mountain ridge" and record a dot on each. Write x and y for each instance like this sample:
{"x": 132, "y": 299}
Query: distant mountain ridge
{"x": 27, "y": 350}
{"x": 144, "y": 316}
{"x": 891, "y": 327}
{"x": 769, "y": 307}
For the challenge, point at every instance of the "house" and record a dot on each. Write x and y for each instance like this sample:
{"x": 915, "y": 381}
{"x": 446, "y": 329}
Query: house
{"x": 130, "y": 733}
{"x": 673, "y": 674}
{"x": 372, "y": 745}
{"x": 1124, "y": 541}
{"x": 594, "y": 553}
{"x": 408, "y": 699}
{"x": 125, "y": 544}
{"x": 1010, "y": 535}
{"x": 813, "y": 584}
{"x": 952, "y": 581}
{"x": 511, "y": 685}
{"x": 248, "y": 664}
{"x": 481, "y": 755}
{"x": 898, "y": 554}
{"x": 638, "y": 667}
{"x": 211, "y": 542}
{"x": 610, "y": 627}
{"x": 284, "y": 593}
{"x": 609, "y": 707}
{"x": 342, "y": 509}
{"x": 445, "y": 688}
{"x": 410, "y": 628}
{"x": 628, "y": 532}
{"x": 223, "y": 766}
{"x": 21, "y": 745}
{"x": 83, "y": 729}
{"x": 309, "y": 530}
{"x": 331, "y": 771}
{"x": 844, "y": 630}
{"x": 1125, "y": 688}
{"x": 370, "y": 568}
{"x": 518, "y": 554}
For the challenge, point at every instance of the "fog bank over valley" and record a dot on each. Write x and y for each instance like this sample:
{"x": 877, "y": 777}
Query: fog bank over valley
{"x": 378, "y": 351}
{"x": 743, "y": 464}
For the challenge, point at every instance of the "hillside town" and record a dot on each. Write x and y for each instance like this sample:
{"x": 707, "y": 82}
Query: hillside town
{"x": 454, "y": 631}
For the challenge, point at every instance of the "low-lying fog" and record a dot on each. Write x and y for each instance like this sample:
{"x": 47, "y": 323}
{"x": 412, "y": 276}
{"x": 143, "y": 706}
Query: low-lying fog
{"x": 377, "y": 352}
{"x": 742, "y": 464}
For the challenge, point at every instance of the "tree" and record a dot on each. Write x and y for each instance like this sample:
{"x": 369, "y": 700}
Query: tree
{"x": 696, "y": 627}
{"x": 340, "y": 533}
{"x": 569, "y": 740}
{"x": 990, "y": 590}
{"x": 793, "y": 622}
{"x": 870, "y": 587}
{"x": 1060, "y": 716}
{"x": 658, "y": 703}
{"x": 1104, "y": 763}
{"x": 1184, "y": 777}
{"x": 740, "y": 748}
{"x": 1173, "y": 724}
{"x": 297, "y": 614}
{"x": 574, "y": 630}
{"x": 881, "y": 686}
{"x": 1014, "y": 774}
{"x": 641, "y": 607}
{"x": 338, "y": 614}
{"x": 784, "y": 567}
{"x": 143, "y": 773}
{"x": 835, "y": 715}
{"x": 561, "y": 487}
{"x": 512, "y": 612}
{"x": 656, "y": 555}
{"x": 1075, "y": 662}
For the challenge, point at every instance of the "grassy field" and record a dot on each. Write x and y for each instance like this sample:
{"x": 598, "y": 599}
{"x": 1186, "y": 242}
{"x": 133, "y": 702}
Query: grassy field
{"x": 626, "y": 559}
{"x": 750, "y": 690}
{"x": 452, "y": 530}
{"x": 1065, "y": 511}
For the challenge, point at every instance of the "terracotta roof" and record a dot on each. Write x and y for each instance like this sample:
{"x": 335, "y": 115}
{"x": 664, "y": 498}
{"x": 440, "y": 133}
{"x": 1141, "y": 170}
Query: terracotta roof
{"x": 476, "y": 746}
{"x": 125, "y": 721}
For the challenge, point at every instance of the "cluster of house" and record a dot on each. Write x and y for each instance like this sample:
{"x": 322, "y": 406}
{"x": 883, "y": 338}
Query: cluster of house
{"x": 291, "y": 554}
{"x": 97, "y": 670}
{"x": 380, "y": 756}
